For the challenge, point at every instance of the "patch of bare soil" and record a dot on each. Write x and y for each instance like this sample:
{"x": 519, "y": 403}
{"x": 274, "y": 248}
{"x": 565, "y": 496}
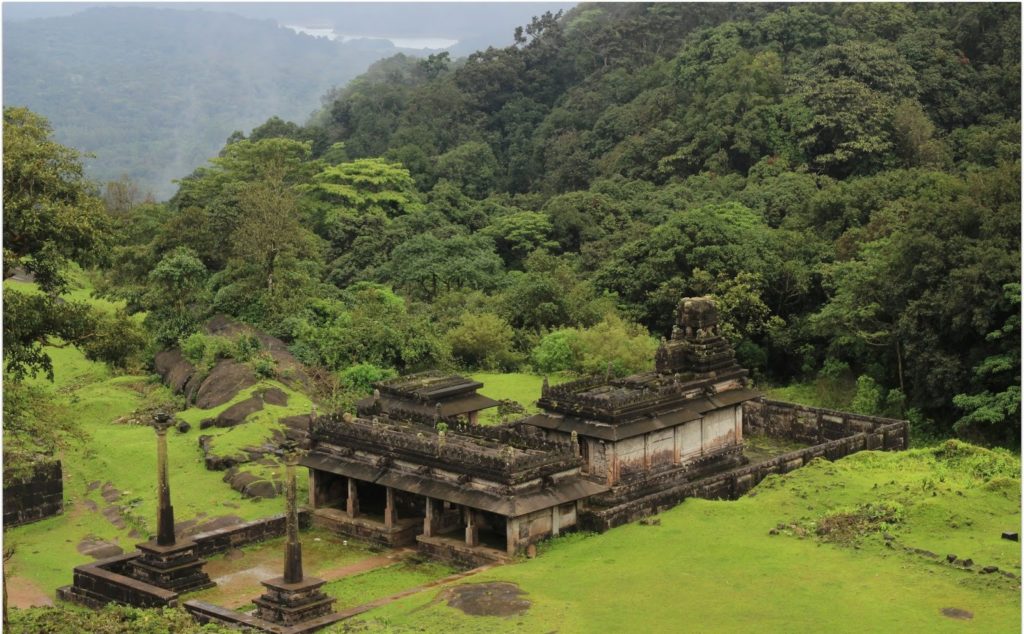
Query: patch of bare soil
{"x": 487, "y": 599}
{"x": 23, "y": 593}
{"x": 957, "y": 613}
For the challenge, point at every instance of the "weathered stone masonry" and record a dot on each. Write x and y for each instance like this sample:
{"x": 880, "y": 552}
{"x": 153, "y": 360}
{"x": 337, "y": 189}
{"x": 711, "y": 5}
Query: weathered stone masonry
{"x": 36, "y": 496}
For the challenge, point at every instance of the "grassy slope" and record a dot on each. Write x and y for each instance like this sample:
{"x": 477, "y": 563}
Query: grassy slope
{"x": 125, "y": 455}
{"x": 712, "y": 565}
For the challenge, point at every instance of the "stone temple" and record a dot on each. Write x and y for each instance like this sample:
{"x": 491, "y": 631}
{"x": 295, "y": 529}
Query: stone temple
{"x": 414, "y": 467}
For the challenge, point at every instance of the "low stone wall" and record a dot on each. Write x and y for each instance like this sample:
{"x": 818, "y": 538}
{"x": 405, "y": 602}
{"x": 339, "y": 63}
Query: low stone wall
{"x": 773, "y": 418}
{"x": 456, "y": 553}
{"x": 404, "y": 534}
{"x": 810, "y": 425}
{"x": 35, "y": 497}
{"x": 205, "y": 613}
{"x": 223, "y": 539}
{"x": 103, "y": 582}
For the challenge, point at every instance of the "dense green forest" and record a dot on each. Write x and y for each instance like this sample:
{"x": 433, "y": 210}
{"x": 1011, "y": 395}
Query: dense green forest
{"x": 843, "y": 179}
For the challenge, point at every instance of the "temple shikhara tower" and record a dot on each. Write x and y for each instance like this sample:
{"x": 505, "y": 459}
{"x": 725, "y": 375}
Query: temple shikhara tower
{"x": 684, "y": 418}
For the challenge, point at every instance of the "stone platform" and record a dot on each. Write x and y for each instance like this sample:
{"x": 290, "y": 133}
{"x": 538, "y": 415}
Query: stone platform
{"x": 293, "y": 603}
{"x": 177, "y": 567}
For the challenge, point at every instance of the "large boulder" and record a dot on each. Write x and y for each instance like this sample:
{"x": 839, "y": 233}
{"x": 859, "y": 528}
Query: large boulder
{"x": 237, "y": 413}
{"x": 223, "y": 383}
{"x": 275, "y": 396}
{"x": 289, "y": 369}
{"x": 174, "y": 369}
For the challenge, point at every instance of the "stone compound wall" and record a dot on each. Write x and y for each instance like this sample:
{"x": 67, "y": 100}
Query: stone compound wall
{"x": 814, "y": 425}
{"x": 106, "y": 581}
{"x": 835, "y": 434}
{"x": 36, "y": 497}
{"x": 223, "y": 539}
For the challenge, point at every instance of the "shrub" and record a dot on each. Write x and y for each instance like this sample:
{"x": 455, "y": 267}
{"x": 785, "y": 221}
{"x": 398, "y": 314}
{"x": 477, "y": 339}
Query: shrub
{"x": 557, "y": 352}
{"x": 484, "y": 341}
{"x": 361, "y": 377}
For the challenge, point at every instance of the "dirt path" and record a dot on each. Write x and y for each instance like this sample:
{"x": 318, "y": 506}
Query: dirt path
{"x": 22, "y": 593}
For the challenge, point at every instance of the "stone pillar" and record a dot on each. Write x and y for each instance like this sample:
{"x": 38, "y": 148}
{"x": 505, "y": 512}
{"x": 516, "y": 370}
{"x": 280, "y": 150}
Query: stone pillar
{"x": 472, "y": 531}
{"x": 474, "y": 417}
{"x": 164, "y": 510}
{"x": 390, "y": 512}
{"x": 556, "y": 520}
{"x": 293, "y": 549}
{"x": 352, "y": 504}
{"x": 512, "y": 536}
{"x": 169, "y": 563}
{"x": 312, "y": 489}
{"x": 428, "y": 518}
{"x": 292, "y": 599}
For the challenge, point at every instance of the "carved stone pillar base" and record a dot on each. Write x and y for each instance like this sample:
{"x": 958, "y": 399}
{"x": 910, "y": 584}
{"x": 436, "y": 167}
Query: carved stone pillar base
{"x": 177, "y": 567}
{"x": 292, "y": 603}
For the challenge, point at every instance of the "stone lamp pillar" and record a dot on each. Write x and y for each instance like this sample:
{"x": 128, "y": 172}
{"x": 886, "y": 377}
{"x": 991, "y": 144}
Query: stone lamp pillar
{"x": 293, "y": 549}
{"x": 164, "y": 510}
{"x": 292, "y": 598}
{"x": 167, "y": 562}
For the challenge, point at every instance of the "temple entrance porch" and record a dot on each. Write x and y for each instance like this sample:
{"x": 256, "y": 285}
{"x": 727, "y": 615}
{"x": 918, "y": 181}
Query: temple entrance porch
{"x": 364, "y": 510}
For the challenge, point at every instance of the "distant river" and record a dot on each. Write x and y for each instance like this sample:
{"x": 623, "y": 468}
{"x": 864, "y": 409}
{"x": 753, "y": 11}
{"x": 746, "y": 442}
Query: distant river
{"x": 400, "y": 42}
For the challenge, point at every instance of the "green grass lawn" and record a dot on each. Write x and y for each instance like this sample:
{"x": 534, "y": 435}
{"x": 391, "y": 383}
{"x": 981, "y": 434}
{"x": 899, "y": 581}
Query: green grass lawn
{"x": 712, "y": 566}
{"x": 383, "y": 582}
{"x": 519, "y": 387}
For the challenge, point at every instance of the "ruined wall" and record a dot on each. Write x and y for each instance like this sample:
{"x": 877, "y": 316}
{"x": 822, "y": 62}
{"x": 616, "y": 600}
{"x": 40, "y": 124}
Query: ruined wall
{"x": 851, "y": 432}
{"x": 35, "y": 497}
{"x": 223, "y": 539}
{"x": 808, "y": 424}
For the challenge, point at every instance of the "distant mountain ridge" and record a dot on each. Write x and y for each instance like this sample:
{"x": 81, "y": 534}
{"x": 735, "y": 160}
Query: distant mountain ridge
{"x": 203, "y": 74}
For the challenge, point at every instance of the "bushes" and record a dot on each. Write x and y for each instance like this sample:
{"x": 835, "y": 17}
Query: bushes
{"x": 484, "y": 341}
{"x": 361, "y": 377}
{"x": 110, "y": 620}
{"x": 613, "y": 344}
{"x": 204, "y": 351}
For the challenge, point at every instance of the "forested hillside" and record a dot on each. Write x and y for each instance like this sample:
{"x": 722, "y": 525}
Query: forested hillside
{"x": 155, "y": 92}
{"x": 843, "y": 179}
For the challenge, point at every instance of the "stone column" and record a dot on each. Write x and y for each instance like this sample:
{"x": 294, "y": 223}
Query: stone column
{"x": 352, "y": 504}
{"x": 556, "y": 520}
{"x": 390, "y": 512}
{"x": 312, "y": 489}
{"x": 472, "y": 532}
{"x": 293, "y": 549}
{"x": 512, "y": 536}
{"x": 428, "y": 518}
{"x": 164, "y": 510}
